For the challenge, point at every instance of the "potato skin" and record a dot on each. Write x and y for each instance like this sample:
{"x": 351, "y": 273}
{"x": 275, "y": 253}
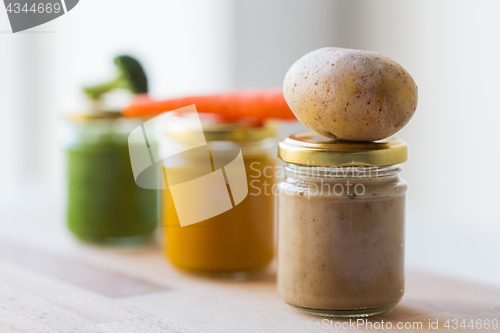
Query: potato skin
{"x": 350, "y": 95}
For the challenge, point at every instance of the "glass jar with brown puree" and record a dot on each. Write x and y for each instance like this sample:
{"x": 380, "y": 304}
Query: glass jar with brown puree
{"x": 341, "y": 212}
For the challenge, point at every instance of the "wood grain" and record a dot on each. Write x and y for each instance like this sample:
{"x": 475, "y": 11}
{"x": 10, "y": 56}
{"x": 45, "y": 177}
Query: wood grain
{"x": 77, "y": 272}
{"x": 51, "y": 283}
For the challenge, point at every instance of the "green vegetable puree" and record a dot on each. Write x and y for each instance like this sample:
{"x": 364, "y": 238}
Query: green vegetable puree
{"x": 103, "y": 200}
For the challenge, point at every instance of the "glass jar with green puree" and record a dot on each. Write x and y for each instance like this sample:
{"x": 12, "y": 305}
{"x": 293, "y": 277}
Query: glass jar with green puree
{"x": 104, "y": 204}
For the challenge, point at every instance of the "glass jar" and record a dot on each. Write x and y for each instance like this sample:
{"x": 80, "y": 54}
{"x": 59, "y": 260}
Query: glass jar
{"x": 341, "y": 213}
{"x": 104, "y": 204}
{"x": 240, "y": 240}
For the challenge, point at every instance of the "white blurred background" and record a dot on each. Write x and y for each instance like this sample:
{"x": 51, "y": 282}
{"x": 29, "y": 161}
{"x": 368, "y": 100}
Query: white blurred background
{"x": 451, "y": 48}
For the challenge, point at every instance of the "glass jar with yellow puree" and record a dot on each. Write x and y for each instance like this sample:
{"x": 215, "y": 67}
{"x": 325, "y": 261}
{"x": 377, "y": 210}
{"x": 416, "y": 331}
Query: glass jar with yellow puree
{"x": 341, "y": 213}
{"x": 240, "y": 240}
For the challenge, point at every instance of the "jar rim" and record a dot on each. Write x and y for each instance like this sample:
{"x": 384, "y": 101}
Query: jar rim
{"x": 311, "y": 149}
{"x": 358, "y": 171}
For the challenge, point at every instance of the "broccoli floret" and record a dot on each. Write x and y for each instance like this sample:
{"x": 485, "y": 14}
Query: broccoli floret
{"x": 131, "y": 76}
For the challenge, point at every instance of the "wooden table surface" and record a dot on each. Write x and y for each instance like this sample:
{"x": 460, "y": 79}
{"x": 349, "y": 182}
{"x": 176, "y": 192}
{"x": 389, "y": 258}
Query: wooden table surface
{"x": 50, "y": 282}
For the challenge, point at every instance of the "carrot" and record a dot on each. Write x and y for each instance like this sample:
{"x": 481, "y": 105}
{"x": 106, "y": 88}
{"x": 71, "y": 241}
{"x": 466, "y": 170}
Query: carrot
{"x": 257, "y": 104}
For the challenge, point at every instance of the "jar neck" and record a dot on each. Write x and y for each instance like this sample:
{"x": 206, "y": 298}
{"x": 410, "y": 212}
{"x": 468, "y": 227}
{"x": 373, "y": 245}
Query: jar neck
{"x": 347, "y": 172}
{"x": 256, "y": 147}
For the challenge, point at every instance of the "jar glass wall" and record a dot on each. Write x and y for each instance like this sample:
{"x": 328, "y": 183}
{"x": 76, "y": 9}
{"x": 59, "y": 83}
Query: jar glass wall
{"x": 104, "y": 204}
{"x": 240, "y": 240}
{"x": 341, "y": 236}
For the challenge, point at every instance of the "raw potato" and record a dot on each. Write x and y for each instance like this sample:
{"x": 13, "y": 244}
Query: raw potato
{"x": 350, "y": 94}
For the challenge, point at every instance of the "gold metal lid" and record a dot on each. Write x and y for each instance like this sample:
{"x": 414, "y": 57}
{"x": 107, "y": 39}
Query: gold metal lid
{"x": 93, "y": 115}
{"x": 100, "y": 115}
{"x": 217, "y": 130}
{"x": 239, "y": 132}
{"x": 312, "y": 149}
